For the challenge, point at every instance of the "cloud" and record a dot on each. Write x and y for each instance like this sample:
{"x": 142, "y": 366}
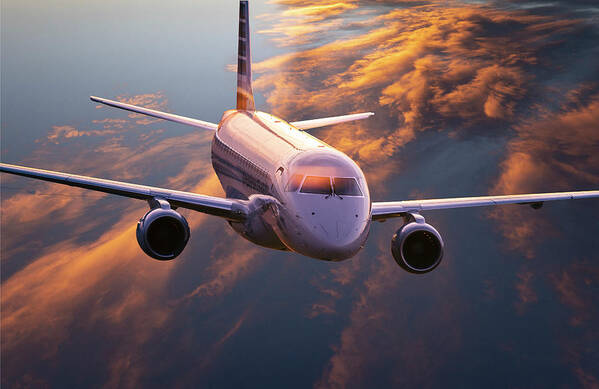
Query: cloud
{"x": 575, "y": 285}
{"x": 385, "y": 330}
{"x": 526, "y": 293}
{"x": 95, "y": 277}
{"x": 320, "y": 11}
{"x": 556, "y": 151}
{"x": 39, "y": 302}
{"x": 71, "y": 132}
{"x": 468, "y": 70}
{"x": 112, "y": 126}
{"x": 232, "y": 262}
{"x": 465, "y": 70}
{"x": 432, "y": 68}
{"x": 303, "y": 23}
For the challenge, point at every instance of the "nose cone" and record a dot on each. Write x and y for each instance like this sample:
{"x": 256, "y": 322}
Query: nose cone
{"x": 328, "y": 208}
{"x": 333, "y": 229}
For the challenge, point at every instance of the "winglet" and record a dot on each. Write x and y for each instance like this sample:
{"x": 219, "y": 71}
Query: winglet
{"x": 245, "y": 96}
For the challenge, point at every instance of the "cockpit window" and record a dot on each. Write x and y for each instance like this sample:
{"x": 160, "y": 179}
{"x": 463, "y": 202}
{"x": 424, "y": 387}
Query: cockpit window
{"x": 346, "y": 187}
{"x": 294, "y": 183}
{"x": 318, "y": 185}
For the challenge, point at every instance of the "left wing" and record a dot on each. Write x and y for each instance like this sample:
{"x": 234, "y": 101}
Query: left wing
{"x": 385, "y": 210}
{"x": 227, "y": 208}
{"x": 314, "y": 123}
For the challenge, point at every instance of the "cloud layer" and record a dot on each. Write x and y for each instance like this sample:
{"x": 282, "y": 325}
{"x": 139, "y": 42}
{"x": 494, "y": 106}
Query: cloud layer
{"x": 438, "y": 76}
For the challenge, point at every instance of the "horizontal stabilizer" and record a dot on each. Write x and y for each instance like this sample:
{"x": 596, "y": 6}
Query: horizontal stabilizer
{"x": 314, "y": 123}
{"x": 157, "y": 114}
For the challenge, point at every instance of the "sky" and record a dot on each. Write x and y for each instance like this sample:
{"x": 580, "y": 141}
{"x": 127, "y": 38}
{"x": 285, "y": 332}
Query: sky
{"x": 471, "y": 98}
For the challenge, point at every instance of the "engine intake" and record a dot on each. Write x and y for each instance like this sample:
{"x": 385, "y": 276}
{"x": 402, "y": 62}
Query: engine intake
{"x": 162, "y": 233}
{"x": 417, "y": 247}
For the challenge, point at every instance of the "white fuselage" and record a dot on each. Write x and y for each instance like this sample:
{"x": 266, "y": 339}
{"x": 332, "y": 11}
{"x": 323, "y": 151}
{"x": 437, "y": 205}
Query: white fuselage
{"x": 319, "y": 200}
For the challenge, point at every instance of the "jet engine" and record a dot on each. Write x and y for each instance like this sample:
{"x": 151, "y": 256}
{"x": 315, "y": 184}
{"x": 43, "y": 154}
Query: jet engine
{"x": 417, "y": 247}
{"x": 162, "y": 233}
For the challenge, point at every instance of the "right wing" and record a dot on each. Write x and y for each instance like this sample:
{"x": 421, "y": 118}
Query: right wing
{"x": 385, "y": 210}
{"x": 231, "y": 209}
{"x": 157, "y": 114}
{"x": 314, "y": 123}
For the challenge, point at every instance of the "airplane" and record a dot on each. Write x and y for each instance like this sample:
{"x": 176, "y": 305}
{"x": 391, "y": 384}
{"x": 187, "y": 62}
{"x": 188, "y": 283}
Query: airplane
{"x": 285, "y": 189}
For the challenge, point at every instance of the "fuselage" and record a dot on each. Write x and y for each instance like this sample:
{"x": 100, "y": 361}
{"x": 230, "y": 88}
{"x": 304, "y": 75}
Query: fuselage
{"x": 320, "y": 203}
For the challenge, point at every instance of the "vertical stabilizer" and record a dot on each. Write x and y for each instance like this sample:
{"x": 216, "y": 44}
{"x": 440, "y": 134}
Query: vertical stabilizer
{"x": 245, "y": 97}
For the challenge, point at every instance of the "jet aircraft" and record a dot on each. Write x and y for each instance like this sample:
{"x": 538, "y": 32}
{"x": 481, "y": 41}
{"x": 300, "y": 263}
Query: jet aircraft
{"x": 285, "y": 189}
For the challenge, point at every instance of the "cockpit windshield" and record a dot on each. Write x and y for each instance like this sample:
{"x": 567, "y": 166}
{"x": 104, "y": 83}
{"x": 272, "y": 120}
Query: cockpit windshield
{"x": 317, "y": 185}
{"x": 294, "y": 183}
{"x": 346, "y": 186}
{"x": 342, "y": 186}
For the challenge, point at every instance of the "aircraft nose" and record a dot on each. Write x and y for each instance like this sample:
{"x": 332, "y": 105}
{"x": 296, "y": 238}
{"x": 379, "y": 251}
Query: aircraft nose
{"x": 335, "y": 229}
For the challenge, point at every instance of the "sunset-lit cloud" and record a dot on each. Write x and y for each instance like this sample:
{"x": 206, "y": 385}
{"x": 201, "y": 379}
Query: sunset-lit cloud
{"x": 554, "y": 152}
{"x": 419, "y": 69}
{"x": 112, "y": 126}
{"x": 302, "y": 23}
{"x": 463, "y": 70}
{"x": 74, "y": 276}
{"x": 456, "y": 69}
{"x": 71, "y": 132}
{"x": 368, "y": 341}
{"x": 574, "y": 286}
{"x": 104, "y": 279}
{"x": 526, "y": 293}
{"x": 320, "y": 11}
{"x": 227, "y": 268}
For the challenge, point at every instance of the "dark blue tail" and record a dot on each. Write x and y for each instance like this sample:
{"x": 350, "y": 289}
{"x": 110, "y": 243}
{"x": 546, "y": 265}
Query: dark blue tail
{"x": 245, "y": 97}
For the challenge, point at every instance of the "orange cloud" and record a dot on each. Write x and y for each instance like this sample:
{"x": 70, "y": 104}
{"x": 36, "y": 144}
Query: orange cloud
{"x": 97, "y": 276}
{"x": 526, "y": 293}
{"x": 419, "y": 68}
{"x": 557, "y": 151}
{"x": 384, "y": 327}
{"x": 302, "y": 23}
{"x": 233, "y": 262}
{"x": 71, "y": 132}
{"x": 575, "y": 284}
{"x": 112, "y": 126}
{"x": 320, "y": 11}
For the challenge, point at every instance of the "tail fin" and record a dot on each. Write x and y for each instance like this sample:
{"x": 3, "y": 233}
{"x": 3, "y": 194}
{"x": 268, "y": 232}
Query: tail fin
{"x": 245, "y": 97}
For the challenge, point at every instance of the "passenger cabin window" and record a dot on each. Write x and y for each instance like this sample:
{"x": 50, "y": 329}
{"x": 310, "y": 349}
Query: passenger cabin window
{"x": 294, "y": 183}
{"x": 317, "y": 185}
{"x": 346, "y": 187}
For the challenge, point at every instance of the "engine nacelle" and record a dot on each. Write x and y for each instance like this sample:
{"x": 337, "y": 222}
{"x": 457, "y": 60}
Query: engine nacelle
{"x": 162, "y": 233}
{"x": 417, "y": 247}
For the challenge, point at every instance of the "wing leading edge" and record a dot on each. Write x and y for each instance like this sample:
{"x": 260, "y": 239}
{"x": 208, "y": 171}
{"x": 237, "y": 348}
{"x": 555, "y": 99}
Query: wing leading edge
{"x": 385, "y": 210}
{"x": 227, "y": 208}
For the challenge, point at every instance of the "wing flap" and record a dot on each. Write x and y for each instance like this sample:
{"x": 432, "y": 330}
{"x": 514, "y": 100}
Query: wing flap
{"x": 385, "y": 210}
{"x": 157, "y": 114}
{"x": 227, "y": 208}
{"x": 314, "y": 123}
